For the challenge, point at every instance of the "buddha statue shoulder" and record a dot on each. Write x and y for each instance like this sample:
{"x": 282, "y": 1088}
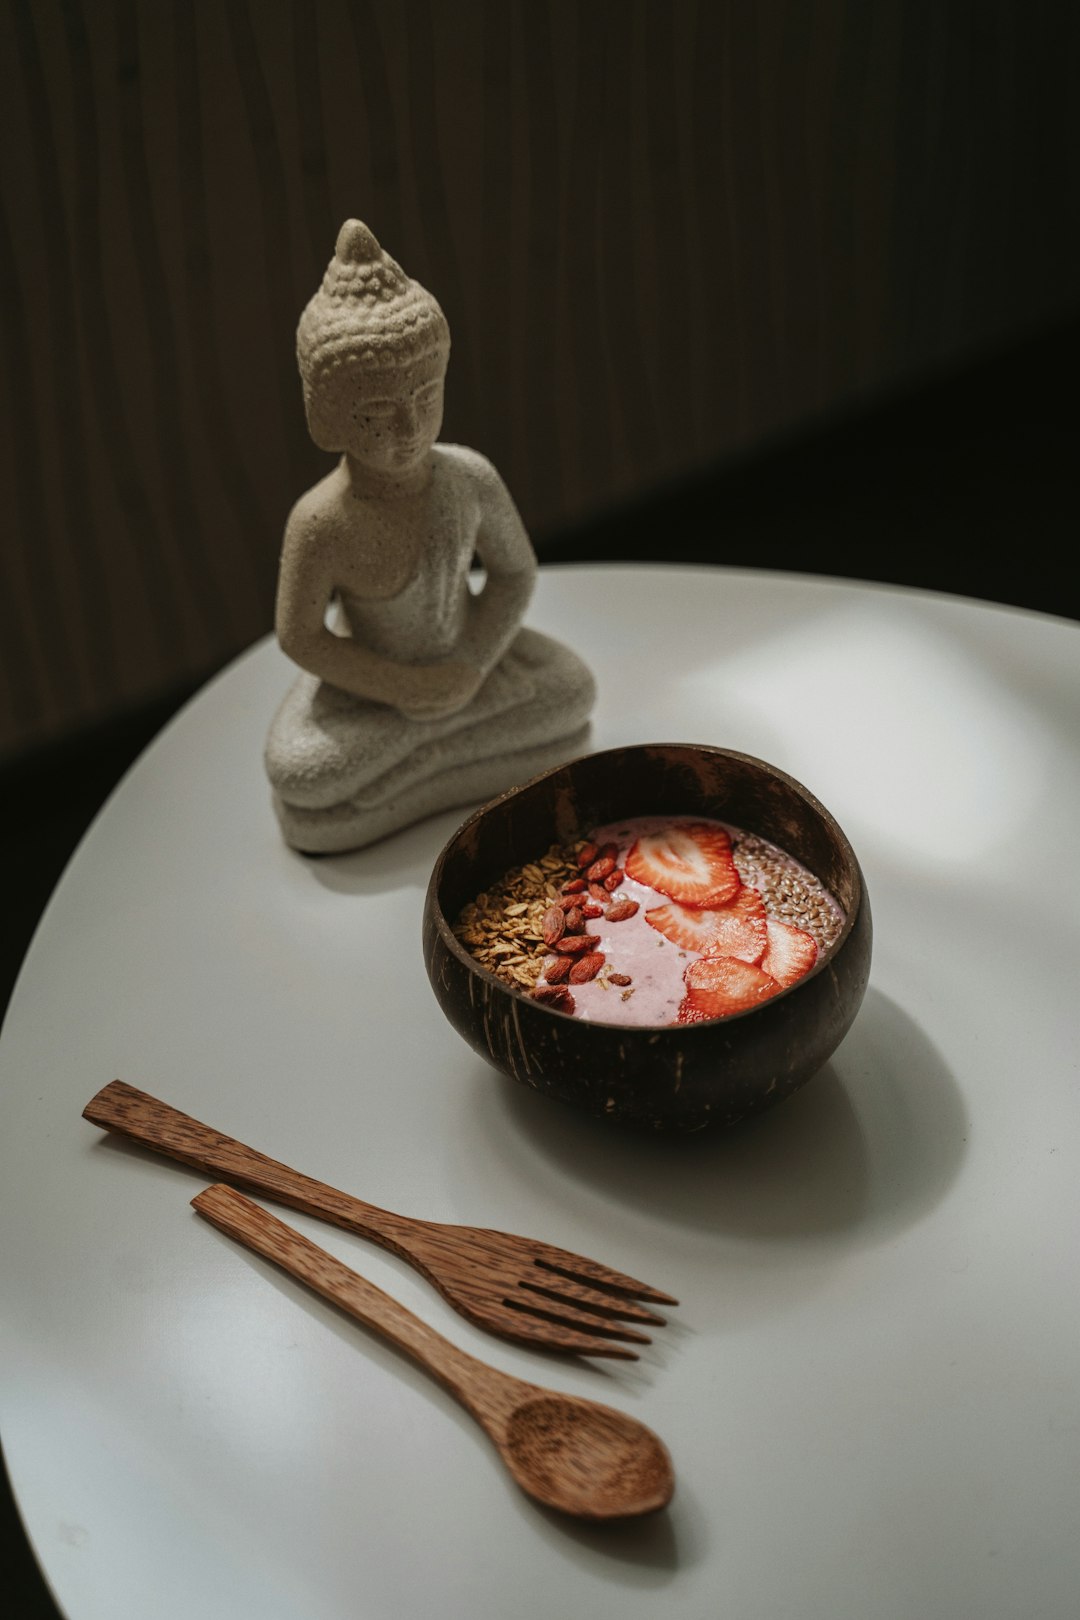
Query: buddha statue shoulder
{"x": 420, "y": 689}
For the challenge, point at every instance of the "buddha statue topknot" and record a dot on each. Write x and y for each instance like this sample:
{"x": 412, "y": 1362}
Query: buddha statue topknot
{"x": 416, "y": 693}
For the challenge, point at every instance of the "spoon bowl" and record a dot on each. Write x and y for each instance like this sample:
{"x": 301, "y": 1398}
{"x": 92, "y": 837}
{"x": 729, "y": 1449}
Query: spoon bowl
{"x": 586, "y": 1459}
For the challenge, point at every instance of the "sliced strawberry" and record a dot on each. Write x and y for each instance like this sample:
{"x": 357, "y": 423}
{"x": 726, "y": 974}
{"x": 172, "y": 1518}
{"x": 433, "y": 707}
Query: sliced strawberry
{"x": 692, "y": 930}
{"x": 790, "y": 953}
{"x": 741, "y": 928}
{"x": 718, "y": 985}
{"x": 689, "y": 861}
{"x": 690, "y": 1014}
{"x": 737, "y": 929}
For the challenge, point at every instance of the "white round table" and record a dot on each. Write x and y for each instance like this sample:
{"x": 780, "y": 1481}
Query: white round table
{"x": 871, "y": 1388}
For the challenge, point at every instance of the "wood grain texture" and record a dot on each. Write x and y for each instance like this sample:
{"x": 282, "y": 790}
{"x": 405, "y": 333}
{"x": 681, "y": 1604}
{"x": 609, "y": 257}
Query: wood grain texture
{"x": 570, "y": 1454}
{"x": 517, "y": 1287}
{"x": 662, "y": 233}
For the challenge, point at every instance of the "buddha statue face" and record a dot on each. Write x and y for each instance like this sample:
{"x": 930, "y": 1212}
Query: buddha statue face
{"x": 372, "y": 347}
{"x": 384, "y": 417}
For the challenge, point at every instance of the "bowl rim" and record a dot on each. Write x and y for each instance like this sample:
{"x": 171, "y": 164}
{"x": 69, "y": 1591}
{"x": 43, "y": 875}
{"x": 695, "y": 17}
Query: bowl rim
{"x": 469, "y": 961}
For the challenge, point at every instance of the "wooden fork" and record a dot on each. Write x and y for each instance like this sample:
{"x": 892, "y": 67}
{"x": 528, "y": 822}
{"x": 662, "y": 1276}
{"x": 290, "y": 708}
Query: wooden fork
{"x": 514, "y": 1286}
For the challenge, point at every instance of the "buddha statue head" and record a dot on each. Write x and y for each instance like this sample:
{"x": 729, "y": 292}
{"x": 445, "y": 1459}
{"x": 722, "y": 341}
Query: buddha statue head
{"x": 372, "y": 347}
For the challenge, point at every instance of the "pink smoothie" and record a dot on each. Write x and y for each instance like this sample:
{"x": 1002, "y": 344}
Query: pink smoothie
{"x": 656, "y": 965}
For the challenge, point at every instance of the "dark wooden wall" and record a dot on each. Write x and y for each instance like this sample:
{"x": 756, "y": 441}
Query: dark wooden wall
{"x": 662, "y": 233}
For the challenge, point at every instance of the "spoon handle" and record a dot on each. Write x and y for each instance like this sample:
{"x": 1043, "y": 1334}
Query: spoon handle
{"x": 135, "y": 1114}
{"x": 484, "y": 1391}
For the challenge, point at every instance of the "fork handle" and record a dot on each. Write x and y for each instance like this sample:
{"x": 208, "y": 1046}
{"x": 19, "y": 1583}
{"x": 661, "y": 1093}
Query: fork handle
{"x": 483, "y": 1390}
{"x": 135, "y": 1114}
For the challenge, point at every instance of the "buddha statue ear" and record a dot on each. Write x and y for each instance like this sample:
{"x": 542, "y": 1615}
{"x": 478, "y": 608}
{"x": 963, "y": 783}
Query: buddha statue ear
{"x": 322, "y": 422}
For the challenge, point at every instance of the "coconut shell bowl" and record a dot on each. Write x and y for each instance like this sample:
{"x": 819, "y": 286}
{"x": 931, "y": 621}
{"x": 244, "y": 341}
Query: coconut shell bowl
{"x": 680, "y": 1077}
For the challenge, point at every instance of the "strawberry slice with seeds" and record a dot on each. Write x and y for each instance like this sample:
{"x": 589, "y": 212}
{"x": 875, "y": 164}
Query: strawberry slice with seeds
{"x": 688, "y": 1013}
{"x": 717, "y": 986}
{"x": 790, "y": 953}
{"x": 737, "y": 929}
{"x": 690, "y": 862}
{"x": 741, "y": 928}
{"x": 692, "y": 930}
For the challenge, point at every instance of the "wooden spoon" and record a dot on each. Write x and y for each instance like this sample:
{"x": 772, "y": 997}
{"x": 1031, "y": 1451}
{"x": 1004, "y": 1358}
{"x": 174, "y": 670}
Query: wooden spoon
{"x": 568, "y": 1453}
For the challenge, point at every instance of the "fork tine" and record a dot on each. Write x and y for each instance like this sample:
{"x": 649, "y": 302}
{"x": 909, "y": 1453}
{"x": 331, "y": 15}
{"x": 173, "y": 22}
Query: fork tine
{"x": 547, "y": 1334}
{"x": 578, "y": 1269}
{"x": 563, "y": 1291}
{"x": 572, "y": 1318}
{"x": 581, "y": 1345}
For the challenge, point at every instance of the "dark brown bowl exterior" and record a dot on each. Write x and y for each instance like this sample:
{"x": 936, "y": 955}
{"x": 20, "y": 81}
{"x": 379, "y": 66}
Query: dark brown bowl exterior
{"x": 681, "y": 1077}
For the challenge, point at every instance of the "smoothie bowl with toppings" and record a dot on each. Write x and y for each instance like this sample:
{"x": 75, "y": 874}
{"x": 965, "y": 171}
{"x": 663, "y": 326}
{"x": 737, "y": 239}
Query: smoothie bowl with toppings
{"x": 668, "y": 934}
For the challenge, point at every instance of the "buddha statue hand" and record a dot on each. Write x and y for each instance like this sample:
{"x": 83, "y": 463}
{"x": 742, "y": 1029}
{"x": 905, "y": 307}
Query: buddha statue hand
{"x": 431, "y": 691}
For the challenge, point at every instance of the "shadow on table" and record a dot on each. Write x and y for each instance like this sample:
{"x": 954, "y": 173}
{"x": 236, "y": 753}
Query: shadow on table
{"x": 648, "y": 1551}
{"x": 869, "y": 1146}
{"x": 401, "y": 861}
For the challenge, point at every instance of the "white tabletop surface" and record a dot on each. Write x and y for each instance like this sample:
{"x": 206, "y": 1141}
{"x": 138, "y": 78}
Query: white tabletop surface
{"x": 870, "y": 1391}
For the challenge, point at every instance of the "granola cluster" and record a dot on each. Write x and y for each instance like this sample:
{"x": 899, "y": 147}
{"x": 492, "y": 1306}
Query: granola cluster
{"x": 532, "y": 929}
{"x": 503, "y": 928}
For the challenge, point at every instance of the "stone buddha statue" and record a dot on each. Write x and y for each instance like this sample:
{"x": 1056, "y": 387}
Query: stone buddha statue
{"x": 419, "y": 689}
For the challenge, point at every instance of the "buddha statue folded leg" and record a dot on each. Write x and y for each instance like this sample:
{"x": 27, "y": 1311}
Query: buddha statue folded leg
{"x": 326, "y": 745}
{"x": 346, "y": 772}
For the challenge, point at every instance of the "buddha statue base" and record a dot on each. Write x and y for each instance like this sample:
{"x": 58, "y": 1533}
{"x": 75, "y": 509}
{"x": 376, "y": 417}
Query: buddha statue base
{"x": 351, "y": 825}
